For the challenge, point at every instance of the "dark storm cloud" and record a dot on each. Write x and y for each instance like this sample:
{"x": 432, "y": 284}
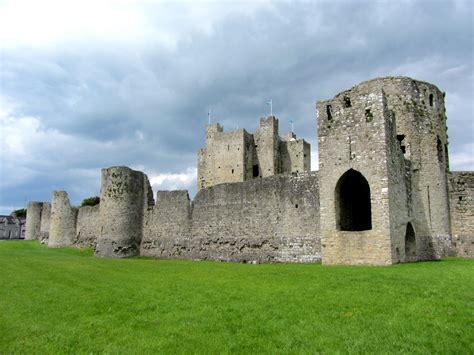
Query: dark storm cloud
{"x": 145, "y": 104}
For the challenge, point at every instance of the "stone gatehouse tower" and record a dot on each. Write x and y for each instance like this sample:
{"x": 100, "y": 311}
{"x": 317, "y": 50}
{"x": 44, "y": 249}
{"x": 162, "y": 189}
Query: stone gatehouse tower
{"x": 383, "y": 173}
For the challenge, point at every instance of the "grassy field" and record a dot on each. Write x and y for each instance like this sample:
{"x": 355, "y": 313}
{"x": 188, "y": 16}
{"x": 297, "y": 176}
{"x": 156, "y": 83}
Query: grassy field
{"x": 66, "y": 300}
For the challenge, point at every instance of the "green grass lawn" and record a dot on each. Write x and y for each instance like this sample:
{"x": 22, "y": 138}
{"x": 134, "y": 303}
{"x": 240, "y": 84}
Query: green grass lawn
{"x": 66, "y": 300}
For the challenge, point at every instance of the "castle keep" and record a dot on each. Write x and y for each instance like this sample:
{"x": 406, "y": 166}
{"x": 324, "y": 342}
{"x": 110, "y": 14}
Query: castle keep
{"x": 239, "y": 156}
{"x": 383, "y": 193}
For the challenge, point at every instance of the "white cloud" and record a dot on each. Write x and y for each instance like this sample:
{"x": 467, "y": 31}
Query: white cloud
{"x": 314, "y": 160}
{"x": 49, "y": 22}
{"x": 29, "y": 149}
{"x": 463, "y": 158}
{"x": 102, "y": 83}
{"x": 174, "y": 181}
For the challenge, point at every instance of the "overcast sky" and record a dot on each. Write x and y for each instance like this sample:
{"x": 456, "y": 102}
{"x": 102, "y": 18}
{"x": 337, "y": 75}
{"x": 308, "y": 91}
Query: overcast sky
{"x": 92, "y": 84}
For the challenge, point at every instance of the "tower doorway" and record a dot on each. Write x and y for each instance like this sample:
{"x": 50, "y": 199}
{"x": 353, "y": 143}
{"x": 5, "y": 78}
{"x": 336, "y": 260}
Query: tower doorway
{"x": 410, "y": 244}
{"x": 353, "y": 208}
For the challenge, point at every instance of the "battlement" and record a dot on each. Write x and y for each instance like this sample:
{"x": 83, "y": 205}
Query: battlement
{"x": 240, "y": 156}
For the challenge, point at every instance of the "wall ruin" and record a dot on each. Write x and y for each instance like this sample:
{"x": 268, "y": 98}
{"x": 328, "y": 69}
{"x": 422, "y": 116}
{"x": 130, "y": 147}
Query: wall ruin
{"x": 461, "y": 188}
{"x": 62, "y": 229}
{"x": 270, "y": 219}
{"x": 33, "y": 220}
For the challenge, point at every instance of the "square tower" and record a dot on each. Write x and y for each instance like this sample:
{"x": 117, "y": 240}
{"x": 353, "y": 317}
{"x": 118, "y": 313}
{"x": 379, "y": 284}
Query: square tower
{"x": 362, "y": 193}
{"x": 383, "y": 167}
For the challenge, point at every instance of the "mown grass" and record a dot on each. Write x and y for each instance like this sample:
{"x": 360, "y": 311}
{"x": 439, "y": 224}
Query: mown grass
{"x": 67, "y": 301}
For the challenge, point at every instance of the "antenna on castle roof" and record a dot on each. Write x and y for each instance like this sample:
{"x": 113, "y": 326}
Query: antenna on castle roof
{"x": 271, "y": 106}
{"x": 209, "y": 115}
{"x": 292, "y": 126}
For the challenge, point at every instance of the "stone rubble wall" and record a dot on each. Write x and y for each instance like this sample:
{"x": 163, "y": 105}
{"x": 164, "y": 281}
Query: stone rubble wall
{"x": 87, "y": 226}
{"x": 261, "y": 220}
{"x": 355, "y": 137}
{"x": 462, "y": 212}
{"x": 45, "y": 221}
{"x": 419, "y": 113}
{"x": 62, "y": 228}
{"x": 295, "y": 155}
{"x": 124, "y": 194}
{"x": 33, "y": 220}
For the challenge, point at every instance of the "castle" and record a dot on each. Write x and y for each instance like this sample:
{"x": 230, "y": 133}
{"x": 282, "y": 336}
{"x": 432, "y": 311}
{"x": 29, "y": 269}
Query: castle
{"x": 239, "y": 156}
{"x": 383, "y": 193}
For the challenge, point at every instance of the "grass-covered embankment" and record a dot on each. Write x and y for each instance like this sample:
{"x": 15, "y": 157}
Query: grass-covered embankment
{"x": 66, "y": 300}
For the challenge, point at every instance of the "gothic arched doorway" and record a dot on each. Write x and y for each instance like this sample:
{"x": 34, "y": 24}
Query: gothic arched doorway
{"x": 353, "y": 208}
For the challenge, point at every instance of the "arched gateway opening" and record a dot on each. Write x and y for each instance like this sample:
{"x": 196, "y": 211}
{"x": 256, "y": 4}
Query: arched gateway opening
{"x": 353, "y": 210}
{"x": 410, "y": 244}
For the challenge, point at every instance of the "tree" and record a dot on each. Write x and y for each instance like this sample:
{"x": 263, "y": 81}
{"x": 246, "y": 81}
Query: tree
{"x": 90, "y": 201}
{"x": 19, "y": 213}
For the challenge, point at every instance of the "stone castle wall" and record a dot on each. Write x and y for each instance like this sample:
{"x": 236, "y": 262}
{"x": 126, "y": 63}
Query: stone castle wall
{"x": 382, "y": 150}
{"x": 269, "y": 219}
{"x": 33, "y": 220}
{"x": 462, "y": 212}
{"x": 87, "y": 226}
{"x": 62, "y": 229}
{"x": 59, "y": 224}
{"x": 45, "y": 221}
{"x": 124, "y": 199}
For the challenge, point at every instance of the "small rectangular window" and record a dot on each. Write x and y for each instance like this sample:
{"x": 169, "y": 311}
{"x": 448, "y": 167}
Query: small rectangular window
{"x": 329, "y": 112}
{"x": 255, "y": 171}
{"x": 347, "y": 101}
{"x": 369, "y": 116}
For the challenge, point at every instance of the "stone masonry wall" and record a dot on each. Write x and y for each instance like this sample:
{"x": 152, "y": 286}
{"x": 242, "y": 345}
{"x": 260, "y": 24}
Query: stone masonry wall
{"x": 419, "y": 112}
{"x": 238, "y": 156}
{"x": 223, "y": 158}
{"x": 353, "y": 135}
{"x": 167, "y": 225}
{"x": 295, "y": 155}
{"x": 124, "y": 200}
{"x": 462, "y": 212}
{"x": 33, "y": 220}
{"x": 87, "y": 226}
{"x": 45, "y": 220}
{"x": 62, "y": 228}
{"x": 267, "y": 147}
{"x": 268, "y": 219}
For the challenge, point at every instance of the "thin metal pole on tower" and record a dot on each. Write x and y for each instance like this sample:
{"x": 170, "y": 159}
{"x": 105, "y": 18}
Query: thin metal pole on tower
{"x": 271, "y": 106}
{"x": 292, "y": 126}
{"x": 209, "y": 115}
